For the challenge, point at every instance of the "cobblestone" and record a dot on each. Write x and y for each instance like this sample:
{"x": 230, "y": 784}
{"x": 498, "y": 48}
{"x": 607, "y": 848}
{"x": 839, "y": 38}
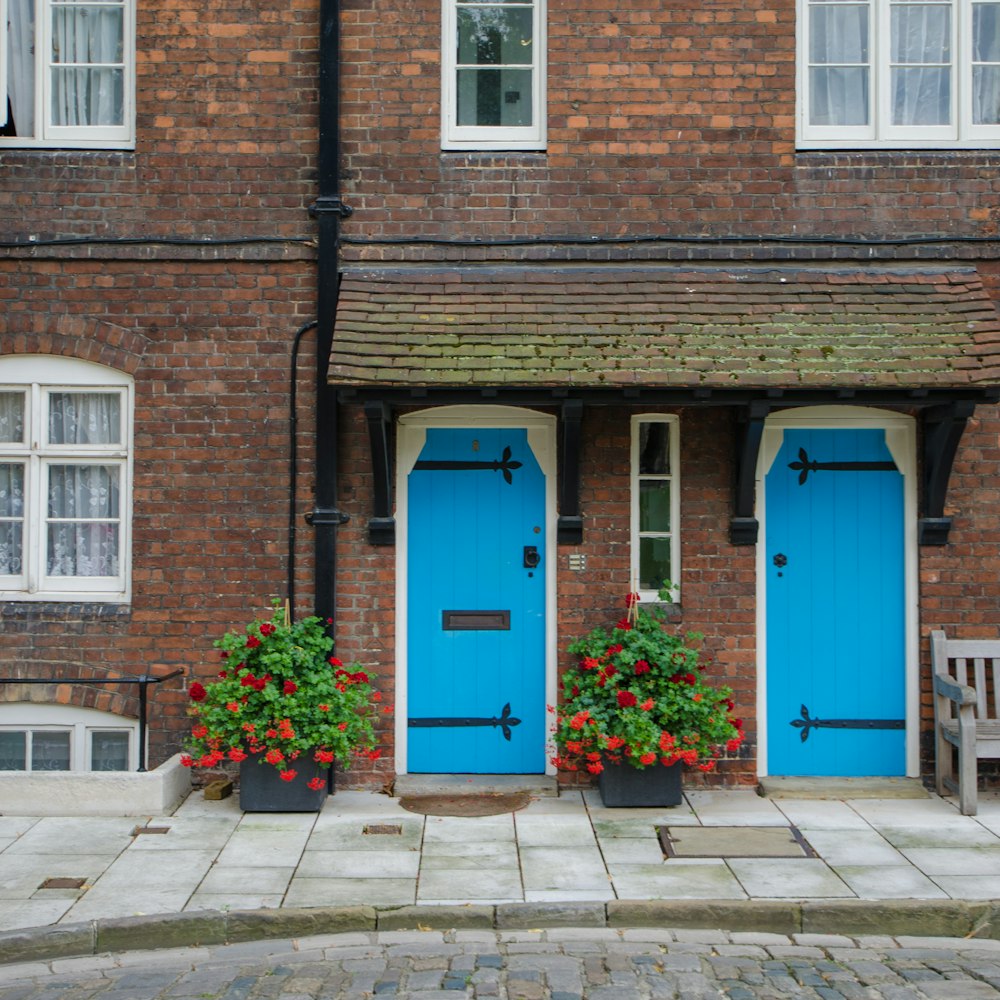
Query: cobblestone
{"x": 568, "y": 965}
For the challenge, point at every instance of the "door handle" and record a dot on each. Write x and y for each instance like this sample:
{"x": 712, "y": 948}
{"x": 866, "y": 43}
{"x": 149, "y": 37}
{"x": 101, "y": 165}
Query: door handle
{"x": 531, "y": 556}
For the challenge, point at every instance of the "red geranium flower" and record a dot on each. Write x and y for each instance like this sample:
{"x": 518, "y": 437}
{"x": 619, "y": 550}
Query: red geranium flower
{"x": 253, "y": 642}
{"x": 290, "y": 687}
{"x": 289, "y": 775}
{"x": 267, "y": 629}
{"x": 626, "y": 699}
{"x": 197, "y": 692}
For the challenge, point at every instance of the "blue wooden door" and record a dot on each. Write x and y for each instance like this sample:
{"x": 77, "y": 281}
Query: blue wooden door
{"x": 835, "y": 606}
{"x": 476, "y": 604}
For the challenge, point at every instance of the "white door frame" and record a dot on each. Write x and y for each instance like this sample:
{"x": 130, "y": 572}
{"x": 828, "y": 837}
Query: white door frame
{"x": 410, "y": 437}
{"x": 901, "y": 438}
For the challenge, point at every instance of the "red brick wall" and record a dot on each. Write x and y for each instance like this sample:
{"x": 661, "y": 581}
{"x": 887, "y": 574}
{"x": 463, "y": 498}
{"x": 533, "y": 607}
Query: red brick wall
{"x": 666, "y": 119}
{"x": 209, "y": 346}
{"x": 718, "y": 578}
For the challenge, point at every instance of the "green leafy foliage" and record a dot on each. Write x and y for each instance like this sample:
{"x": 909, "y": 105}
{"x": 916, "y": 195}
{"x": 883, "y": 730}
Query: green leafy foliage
{"x": 638, "y": 695}
{"x": 280, "y": 696}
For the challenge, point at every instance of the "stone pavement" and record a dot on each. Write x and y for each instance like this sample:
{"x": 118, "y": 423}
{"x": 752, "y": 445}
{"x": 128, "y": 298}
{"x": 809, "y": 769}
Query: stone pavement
{"x": 555, "y": 964}
{"x": 210, "y": 874}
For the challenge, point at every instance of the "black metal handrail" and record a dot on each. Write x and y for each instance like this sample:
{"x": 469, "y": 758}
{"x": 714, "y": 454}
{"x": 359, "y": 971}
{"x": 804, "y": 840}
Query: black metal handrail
{"x": 143, "y": 680}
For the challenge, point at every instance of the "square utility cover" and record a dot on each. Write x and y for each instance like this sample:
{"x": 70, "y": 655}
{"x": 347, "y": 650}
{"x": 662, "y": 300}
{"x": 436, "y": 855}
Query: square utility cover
{"x": 733, "y": 842}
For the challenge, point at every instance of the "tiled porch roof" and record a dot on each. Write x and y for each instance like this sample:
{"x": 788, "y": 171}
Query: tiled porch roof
{"x": 663, "y": 327}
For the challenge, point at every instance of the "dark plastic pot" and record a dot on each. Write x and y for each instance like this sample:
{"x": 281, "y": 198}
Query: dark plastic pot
{"x": 625, "y": 787}
{"x": 262, "y": 789}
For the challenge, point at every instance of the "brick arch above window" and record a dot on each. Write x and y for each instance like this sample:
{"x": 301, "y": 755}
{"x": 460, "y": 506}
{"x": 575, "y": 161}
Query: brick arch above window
{"x": 80, "y": 337}
{"x": 62, "y": 691}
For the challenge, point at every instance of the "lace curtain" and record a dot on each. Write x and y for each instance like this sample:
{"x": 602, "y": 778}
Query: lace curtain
{"x": 83, "y": 500}
{"x": 921, "y": 53}
{"x": 11, "y": 486}
{"x": 839, "y": 56}
{"x": 90, "y": 36}
{"x": 921, "y": 42}
{"x": 986, "y": 78}
{"x": 21, "y": 63}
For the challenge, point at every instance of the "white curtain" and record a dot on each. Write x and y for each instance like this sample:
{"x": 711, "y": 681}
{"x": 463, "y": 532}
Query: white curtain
{"x": 83, "y": 499}
{"x": 921, "y": 41}
{"x": 87, "y": 34}
{"x": 84, "y": 539}
{"x": 11, "y": 485}
{"x": 84, "y": 418}
{"x": 986, "y": 78}
{"x": 11, "y": 518}
{"x": 21, "y": 64}
{"x": 839, "y": 60}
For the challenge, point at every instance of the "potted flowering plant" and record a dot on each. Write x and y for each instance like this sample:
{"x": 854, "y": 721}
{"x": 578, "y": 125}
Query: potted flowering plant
{"x": 284, "y": 709}
{"x": 636, "y": 705}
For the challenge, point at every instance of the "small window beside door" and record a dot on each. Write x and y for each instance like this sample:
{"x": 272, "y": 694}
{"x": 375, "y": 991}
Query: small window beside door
{"x": 655, "y": 504}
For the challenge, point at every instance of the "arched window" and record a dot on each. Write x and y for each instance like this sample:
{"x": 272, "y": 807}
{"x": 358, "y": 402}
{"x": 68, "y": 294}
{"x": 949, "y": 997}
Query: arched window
{"x": 65, "y": 480}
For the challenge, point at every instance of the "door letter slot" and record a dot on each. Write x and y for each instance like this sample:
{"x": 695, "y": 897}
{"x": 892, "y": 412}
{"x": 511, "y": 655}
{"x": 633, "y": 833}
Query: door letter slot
{"x": 475, "y": 621}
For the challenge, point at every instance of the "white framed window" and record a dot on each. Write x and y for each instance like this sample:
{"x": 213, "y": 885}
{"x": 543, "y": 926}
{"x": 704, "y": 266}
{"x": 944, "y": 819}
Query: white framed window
{"x": 64, "y": 738}
{"x": 65, "y": 480}
{"x": 68, "y": 75}
{"x": 655, "y": 496}
{"x": 493, "y": 66}
{"x": 898, "y": 73}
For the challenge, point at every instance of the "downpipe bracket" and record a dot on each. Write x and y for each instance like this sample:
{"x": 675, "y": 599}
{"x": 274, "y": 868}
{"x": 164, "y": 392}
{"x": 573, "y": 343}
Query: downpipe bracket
{"x": 323, "y": 517}
{"x": 326, "y": 204}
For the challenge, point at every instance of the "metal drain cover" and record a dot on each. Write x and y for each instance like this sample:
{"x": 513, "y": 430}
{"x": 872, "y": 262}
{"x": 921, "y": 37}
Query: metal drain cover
{"x": 63, "y": 883}
{"x": 734, "y": 842}
{"x": 393, "y": 829}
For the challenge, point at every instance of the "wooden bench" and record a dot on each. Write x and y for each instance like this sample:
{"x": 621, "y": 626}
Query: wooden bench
{"x": 966, "y": 712}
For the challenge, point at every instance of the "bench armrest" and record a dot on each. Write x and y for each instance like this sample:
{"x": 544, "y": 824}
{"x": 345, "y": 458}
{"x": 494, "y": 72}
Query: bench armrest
{"x": 948, "y": 686}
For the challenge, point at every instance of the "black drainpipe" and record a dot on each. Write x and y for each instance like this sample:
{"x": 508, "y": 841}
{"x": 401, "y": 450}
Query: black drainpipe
{"x": 328, "y": 210}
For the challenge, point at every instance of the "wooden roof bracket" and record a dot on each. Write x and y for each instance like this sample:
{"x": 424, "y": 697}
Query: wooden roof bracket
{"x": 743, "y": 526}
{"x": 942, "y": 427}
{"x": 382, "y": 525}
{"x": 569, "y": 527}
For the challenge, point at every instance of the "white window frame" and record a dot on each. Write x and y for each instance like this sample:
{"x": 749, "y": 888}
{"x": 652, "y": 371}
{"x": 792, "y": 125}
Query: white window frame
{"x": 38, "y": 377}
{"x": 879, "y": 132}
{"x": 81, "y": 723}
{"x": 490, "y": 137}
{"x": 673, "y": 477}
{"x": 45, "y": 135}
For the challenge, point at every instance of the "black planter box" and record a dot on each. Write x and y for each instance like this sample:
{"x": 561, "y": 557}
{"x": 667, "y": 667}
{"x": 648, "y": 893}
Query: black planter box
{"x": 262, "y": 789}
{"x": 625, "y": 787}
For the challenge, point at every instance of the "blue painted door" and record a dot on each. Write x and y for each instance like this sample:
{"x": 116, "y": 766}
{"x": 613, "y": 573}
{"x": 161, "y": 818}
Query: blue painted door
{"x": 835, "y": 606}
{"x": 476, "y": 604}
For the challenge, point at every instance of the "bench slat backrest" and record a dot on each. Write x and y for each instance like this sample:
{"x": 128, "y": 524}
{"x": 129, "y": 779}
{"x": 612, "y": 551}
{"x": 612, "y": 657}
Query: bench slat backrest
{"x": 974, "y": 663}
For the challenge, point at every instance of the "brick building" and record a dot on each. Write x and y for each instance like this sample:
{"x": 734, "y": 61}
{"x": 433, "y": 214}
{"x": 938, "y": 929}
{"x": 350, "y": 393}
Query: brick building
{"x": 608, "y": 294}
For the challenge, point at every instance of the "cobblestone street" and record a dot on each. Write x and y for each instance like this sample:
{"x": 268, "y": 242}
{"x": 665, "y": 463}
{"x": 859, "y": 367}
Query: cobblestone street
{"x": 555, "y": 964}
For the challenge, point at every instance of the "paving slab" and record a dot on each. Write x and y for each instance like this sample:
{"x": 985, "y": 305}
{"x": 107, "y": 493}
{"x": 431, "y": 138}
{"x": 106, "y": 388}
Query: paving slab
{"x": 788, "y": 878}
{"x": 363, "y": 864}
{"x": 546, "y": 868}
{"x": 249, "y": 881}
{"x": 934, "y": 861}
{"x": 862, "y": 847}
{"x": 677, "y": 880}
{"x": 464, "y": 829}
{"x": 471, "y": 886}
{"x": 351, "y": 892}
{"x": 87, "y": 834}
{"x": 737, "y": 808}
{"x": 889, "y": 882}
{"x": 546, "y": 830}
